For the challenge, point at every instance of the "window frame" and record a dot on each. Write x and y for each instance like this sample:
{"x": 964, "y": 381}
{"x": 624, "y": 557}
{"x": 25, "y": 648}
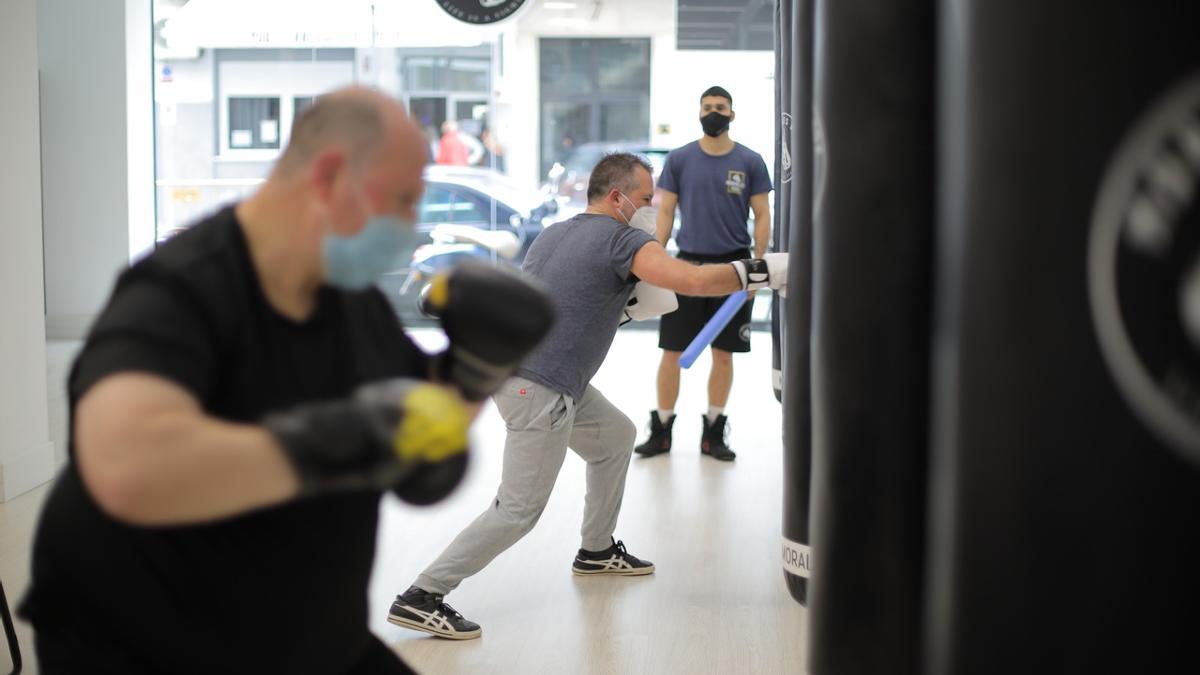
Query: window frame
{"x": 284, "y": 74}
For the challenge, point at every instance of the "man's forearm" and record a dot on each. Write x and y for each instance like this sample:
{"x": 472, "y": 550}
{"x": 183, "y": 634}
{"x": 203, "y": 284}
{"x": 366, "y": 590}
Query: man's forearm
{"x": 666, "y": 217}
{"x": 184, "y": 469}
{"x": 762, "y": 233}
{"x": 711, "y": 280}
{"x": 663, "y": 227}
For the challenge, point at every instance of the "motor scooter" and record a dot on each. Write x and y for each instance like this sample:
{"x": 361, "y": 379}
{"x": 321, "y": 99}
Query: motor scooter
{"x": 454, "y": 243}
{"x": 451, "y": 243}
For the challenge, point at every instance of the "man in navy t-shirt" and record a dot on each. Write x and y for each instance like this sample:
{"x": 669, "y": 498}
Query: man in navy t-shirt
{"x": 715, "y": 182}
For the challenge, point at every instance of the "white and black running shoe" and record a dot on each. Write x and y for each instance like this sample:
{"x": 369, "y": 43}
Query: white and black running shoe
{"x": 420, "y": 610}
{"x": 612, "y": 560}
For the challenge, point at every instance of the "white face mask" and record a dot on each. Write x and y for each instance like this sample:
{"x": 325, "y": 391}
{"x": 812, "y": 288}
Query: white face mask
{"x": 644, "y": 218}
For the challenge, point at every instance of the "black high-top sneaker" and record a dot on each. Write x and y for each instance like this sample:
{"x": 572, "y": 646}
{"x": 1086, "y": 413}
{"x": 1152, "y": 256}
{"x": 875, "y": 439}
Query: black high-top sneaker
{"x": 660, "y": 437}
{"x": 424, "y": 611}
{"x": 612, "y": 560}
{"x": 713, "y": 442}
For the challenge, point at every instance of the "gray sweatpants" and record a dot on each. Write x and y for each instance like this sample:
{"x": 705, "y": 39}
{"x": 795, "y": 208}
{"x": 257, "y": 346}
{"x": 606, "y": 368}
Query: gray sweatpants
{"x": 542, "y": 424}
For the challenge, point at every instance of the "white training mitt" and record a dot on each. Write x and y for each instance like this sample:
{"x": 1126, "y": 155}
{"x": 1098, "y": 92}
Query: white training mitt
{"x": 647, "y": 302}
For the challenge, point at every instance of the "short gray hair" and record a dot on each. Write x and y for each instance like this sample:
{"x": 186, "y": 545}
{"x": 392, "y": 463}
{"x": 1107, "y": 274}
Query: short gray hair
{"x": 615, "y": 170}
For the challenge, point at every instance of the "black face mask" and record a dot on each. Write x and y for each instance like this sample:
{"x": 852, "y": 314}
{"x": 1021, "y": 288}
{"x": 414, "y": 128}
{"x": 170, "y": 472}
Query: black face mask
{"x": 714, "y": 123}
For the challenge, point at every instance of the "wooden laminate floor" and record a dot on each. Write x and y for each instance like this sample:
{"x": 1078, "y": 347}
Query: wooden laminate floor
{"x": 717, "y": 603}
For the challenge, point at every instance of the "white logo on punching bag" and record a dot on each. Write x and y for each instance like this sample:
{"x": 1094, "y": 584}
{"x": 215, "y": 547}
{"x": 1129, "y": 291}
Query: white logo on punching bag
{"x": 1144, "y": 268}
{"x": 820, "y": 164}
{"x": 797, "y": 558}
{"x": 785, "y": 146}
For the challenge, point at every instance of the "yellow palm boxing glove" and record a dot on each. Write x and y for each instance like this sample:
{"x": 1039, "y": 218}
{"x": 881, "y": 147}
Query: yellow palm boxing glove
{"x": 390, "y": 433}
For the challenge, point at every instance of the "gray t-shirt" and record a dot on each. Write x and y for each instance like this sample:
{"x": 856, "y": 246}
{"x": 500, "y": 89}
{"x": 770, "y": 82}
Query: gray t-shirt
{"x": 585, "y": 264}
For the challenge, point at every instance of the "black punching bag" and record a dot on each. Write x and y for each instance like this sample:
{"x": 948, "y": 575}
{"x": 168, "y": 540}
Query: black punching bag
{"x": 783, "y": 176}
{"x": 1066, "y": 486}
{"x": 793, "y": 232}
{"x": 873, "y": 235}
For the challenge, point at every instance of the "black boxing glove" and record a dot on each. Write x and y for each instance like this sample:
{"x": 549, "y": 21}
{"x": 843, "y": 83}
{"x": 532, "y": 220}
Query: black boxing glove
{"x": 393, "y": 433}
{"x": 493, "y": 317}
{"x": 432, "y": 482}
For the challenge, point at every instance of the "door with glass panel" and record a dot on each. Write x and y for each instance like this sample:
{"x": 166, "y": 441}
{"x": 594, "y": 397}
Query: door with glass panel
{"x": 593, "y": 90}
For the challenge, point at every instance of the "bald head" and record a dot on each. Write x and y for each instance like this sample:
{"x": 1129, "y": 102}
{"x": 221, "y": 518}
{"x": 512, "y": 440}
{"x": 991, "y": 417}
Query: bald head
{"x": 359, "y": 121}
{"x": 354, "y": 158}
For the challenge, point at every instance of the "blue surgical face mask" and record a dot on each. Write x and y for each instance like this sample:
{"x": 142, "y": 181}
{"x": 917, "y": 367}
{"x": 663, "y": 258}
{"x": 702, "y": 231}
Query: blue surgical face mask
{"x": 355, "y": 262}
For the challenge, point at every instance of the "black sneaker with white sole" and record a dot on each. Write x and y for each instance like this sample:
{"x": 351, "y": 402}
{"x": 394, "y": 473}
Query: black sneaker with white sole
{"x": 612, "y": 560}
{"x": 420, "y": 610}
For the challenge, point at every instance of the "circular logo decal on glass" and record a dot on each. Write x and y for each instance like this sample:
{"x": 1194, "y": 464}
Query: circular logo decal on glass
{"x": 481, "y": 11}
{"x": 1144, "y": 268}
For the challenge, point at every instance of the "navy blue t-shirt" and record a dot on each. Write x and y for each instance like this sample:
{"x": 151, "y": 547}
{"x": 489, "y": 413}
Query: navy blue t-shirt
{"x": 714, "y": 196}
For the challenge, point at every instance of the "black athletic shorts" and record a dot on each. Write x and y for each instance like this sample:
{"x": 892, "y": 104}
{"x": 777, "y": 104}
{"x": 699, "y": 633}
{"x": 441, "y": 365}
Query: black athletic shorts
{"x": 677, "y": 329}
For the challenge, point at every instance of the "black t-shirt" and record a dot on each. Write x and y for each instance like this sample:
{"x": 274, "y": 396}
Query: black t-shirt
{"x": 280, "y": 590}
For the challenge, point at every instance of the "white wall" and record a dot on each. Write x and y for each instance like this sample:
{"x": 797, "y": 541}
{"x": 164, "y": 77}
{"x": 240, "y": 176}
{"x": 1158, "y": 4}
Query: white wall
{"x": 677, "y": 78}
{"x": 191, "y": 80}
{"x": 97, "y": 151}
{"x": 139, "y": 127}
{"x": 26, "y": 453}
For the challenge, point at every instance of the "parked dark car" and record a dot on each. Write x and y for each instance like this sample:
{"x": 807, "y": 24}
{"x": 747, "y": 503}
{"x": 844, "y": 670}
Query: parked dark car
{"x": 458, "y": 198}
{"x": 569, "y": 179}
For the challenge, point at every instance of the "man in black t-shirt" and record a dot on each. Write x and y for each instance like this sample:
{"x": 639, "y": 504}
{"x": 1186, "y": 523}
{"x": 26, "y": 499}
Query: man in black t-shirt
{"x": 236, "y": 411}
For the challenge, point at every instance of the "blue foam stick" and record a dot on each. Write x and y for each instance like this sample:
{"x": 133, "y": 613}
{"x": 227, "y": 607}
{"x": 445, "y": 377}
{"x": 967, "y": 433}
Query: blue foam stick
{"x": 714, "y": 326}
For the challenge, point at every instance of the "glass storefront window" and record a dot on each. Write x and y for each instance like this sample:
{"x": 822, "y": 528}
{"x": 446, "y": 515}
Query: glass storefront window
{"x": 232, "y": 76}
{"x": 457, "y": 74}
{"x": 253, "y": 122}
{"x": 467, "y": 75}
{"x": 725, "y": 24}
{"x": 566, "y": 66}
{"x": 420, "y": 72}
{"x": 624, "y": 120}
{"x": 300, "y": 104}
{"x": 594, "y": 91}
{"x": 437, "y": 206}
{"x": 622, "y": 65}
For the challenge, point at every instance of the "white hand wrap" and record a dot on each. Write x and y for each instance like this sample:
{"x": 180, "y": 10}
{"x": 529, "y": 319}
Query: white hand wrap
{"x": 769, "y": 271}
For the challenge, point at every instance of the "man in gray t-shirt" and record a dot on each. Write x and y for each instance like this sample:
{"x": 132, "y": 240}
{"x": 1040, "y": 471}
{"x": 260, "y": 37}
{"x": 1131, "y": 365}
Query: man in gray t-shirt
{"x": 585, "y": 262}
{"x": 590, "y": 265}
